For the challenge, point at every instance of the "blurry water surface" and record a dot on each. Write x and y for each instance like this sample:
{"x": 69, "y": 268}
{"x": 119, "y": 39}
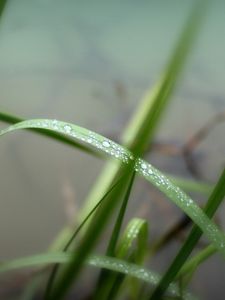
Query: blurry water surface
{"x": 89, "y": 62}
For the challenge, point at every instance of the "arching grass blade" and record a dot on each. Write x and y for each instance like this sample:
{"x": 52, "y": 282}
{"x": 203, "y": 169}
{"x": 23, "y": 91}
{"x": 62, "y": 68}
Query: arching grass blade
{"x": 213, "y": 203}
{"x": 113, "y": 264}
{"x": 143, "y": 168}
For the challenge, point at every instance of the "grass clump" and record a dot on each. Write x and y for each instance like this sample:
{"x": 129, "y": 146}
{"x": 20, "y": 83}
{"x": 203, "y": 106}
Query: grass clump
{"x": 122, "y": 270}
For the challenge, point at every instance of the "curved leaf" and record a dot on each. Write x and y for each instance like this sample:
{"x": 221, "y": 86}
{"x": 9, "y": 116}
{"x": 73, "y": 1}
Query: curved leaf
{"x": 113, "y": 264}
{"x": 143, "y": 168}
{"x": 134, "y": 240}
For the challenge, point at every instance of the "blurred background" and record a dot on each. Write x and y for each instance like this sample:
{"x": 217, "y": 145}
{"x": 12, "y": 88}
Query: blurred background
{"x": 89, "y": 63}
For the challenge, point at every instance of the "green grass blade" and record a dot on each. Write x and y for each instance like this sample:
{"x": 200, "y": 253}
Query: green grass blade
{"x": 143, "y": 168}
{"x": 90, "y": 238}
{"x": 213, "y": 203}
{"x": 132, "y": 247}
{"x": 191, "y": 185}
{"x": 134, "y": 241}
{"x": 11, "y": 119}
{"x": 141, "y": 130}
{"x": 195, "y": 261}
{"x": 31, "y": 288}
{"x": 104, "y": 275}
{"x": 72, "y": 238}
{"x": 109, "y": 263}
{"x": 2, "y": 6}
{"x": 117, "y": 228}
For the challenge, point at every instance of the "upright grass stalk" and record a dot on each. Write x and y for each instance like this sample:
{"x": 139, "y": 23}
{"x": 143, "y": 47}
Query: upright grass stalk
{"x": 212, "y": 205}
{"x": 117, "y": 227}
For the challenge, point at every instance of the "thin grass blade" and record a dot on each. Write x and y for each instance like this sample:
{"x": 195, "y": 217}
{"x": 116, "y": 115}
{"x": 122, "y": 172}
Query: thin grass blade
{"x": 195, "y": 261}
{"x": 71, "y": 240}
{"x": 117, "y": 228}
{"x": 104, "y": 275}
{"x": 90, "y": 238}
{"x": 132, "y": 247}
{"x": 212, "y": 205}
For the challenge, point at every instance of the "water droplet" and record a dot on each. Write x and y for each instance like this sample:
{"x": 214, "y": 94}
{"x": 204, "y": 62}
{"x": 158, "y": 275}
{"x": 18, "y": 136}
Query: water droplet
{"x": 67, "y": 128}
{"x": 44, "y": 124}
{"x": 144, "y": 166}
{"x": 90, "y": 140}
{"x": 55, "y": 124}
{"x": 106, "y": 144}
{"x": 150, "y": 172}
{"x": 189, "y": 202}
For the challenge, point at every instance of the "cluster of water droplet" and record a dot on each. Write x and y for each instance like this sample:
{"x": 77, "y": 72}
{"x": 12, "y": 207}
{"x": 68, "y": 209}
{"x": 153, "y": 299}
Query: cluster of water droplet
{"x": 133, "y": 231}
{"x": 131, "y": 269}
{"x": 87, "y": 136}
{"x": 143, "y": 167}
{"x": 126, "y": 268}
{"x": 109, "y": 147}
